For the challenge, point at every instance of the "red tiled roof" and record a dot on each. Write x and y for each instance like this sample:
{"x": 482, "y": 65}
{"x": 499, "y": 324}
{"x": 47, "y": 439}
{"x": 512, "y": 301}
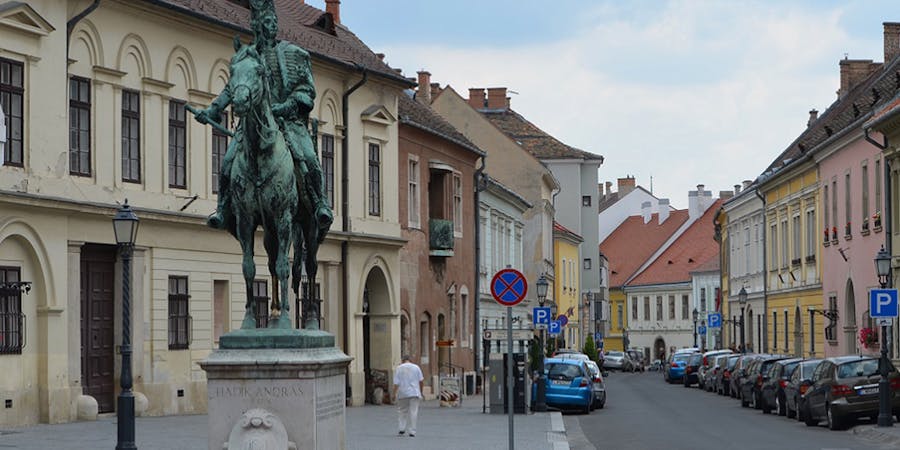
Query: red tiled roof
{"x": 559, "y": 227}
{"x": 884, "y": 113}
{"x": 531, "y": 138}
{"x": 633, "y": 242}
{"x": 415, "y": 114}
{"x": 710, "y": 266}
{"x": 692, "y": 250}
{"x": 297, "y": 23}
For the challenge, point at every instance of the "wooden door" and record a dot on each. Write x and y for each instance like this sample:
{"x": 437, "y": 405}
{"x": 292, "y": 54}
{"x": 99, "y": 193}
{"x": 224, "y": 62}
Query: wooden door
{"x": 97, "y": 333}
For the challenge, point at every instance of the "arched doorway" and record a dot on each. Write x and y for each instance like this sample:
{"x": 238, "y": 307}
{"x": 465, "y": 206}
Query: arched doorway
{"x": 376, "y": 307}
{"x": 798, "y": 332}
{"x": 659, "y": 348}
{"x": 850, "y": 318}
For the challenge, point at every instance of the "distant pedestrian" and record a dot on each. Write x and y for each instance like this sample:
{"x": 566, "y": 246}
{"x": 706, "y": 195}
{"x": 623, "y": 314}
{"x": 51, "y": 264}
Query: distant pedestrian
{"x": 408, "y": 390}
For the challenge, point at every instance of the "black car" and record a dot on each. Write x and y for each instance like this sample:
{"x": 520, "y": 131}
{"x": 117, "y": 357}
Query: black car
{"x": 692, "y": 369}
{"x": 751, "y": 384}
{"x": 739, "y": 372}
{"x": 724, "y": 386}
{"x": 797, "y": 386}
{"x": 774, "y": 382}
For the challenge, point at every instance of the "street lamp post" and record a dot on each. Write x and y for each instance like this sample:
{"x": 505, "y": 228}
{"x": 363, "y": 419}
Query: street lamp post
{"x": 742, "y": 300}
{"x": 694, "y": 315}
{"x": 883, "y": 268}
{"x": 125, "y": 226}
{"x": 540, "y": 404}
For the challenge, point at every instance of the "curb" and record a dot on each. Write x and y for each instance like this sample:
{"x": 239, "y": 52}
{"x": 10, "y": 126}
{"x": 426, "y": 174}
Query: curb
{"x": 557, "y": 434}
{"x": 873, "y": 433}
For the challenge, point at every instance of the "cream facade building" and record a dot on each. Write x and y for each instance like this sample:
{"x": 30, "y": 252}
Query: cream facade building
{"x": 94, "y": 95}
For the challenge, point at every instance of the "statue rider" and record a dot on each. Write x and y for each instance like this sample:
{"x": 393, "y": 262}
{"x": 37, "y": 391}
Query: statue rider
{"x": 291, "y": 86}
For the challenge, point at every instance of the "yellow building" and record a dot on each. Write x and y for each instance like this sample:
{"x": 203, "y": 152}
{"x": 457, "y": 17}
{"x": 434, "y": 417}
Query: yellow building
{"x": 618, "y": 321}
{"x": 568, "y": 283}
{"x": 794, "y": 284}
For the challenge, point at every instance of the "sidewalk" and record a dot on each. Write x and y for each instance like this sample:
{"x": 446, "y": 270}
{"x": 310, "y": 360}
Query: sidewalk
{"x": 888, "y": 436}
{"x": 368, "y": 428}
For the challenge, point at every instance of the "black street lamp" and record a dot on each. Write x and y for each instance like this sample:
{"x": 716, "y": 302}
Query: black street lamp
{"x": 742, "y": 300}
{"x": 883, "y": 269}
{"x": 694, "y": 315}
{"x": 540, "y": 403}
{"x": 125, "y": 226}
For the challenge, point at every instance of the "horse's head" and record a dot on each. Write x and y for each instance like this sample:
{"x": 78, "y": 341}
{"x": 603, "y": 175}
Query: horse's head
{"x": 247, "y": 81}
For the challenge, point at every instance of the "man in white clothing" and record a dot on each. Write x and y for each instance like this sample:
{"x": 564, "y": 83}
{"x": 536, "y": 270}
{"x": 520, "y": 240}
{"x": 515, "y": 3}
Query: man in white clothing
{"x": 408, "y": 390}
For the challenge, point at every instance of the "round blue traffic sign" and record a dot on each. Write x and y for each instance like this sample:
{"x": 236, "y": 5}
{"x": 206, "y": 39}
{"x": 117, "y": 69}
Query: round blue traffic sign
{"x": 508, "y": 287}
{"x": 563, "y": 320}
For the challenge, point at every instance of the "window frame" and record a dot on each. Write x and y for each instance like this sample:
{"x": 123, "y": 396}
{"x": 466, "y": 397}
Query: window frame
{"x": 77, "y": 151}
{"x": 456, "y": 187}
{"x": 180, "y": 320}
{"x": 12, "y": 319}
{"x": 177, "y": 128}
{"x": 413, "y": 192}
{"x": 374, "y": 178}
{"x": 220, "y": 143}
{"x": 131, "y": 145}
{"x": 13, "y": 94}
{"x": 327, "y": 148}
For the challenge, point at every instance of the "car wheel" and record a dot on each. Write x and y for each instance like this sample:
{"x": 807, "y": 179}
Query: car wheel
{"x": 764, "y": 405}
{"x": 834, "y": 422}
{"x": 744, "y": 402}
{"x": 808, "y": 418}
{"x": 601, "y": 405}
{"x": 779, "y": 406}
{"x": 587, "y": 408}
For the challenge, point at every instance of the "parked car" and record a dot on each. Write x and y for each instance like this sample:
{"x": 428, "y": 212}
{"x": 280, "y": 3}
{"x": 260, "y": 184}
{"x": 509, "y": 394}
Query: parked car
{"x": 797, "y": 386}
{"x": 774, "y": 381}
{"x": 656, "y": 366}
{"x": 692, "y": 369}
{"x": 846, "y": 388}
{"x": 569, "y": 384}
{"x": 598, "y": 387}
{"x": 567, "y": 352}
{"x": 740, "y": 372}
{"x": 675, "y": 369}
{"x": 637, "y": 360}
{"x": 723, "y": 386}
{"x": 706, "y": 363}
{"x": 751, "y": 384}
{"x": 616, "y": 360}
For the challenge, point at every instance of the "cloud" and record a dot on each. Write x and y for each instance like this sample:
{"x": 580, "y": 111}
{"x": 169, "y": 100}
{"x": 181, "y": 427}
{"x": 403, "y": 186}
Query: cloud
{"x": 689, "y": 93}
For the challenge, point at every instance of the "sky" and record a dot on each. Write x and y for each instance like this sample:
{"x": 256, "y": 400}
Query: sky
{"x": 686, "y": 92}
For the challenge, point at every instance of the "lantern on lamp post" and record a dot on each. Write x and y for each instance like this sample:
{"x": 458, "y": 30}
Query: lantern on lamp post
{"x": 125, "y": 227}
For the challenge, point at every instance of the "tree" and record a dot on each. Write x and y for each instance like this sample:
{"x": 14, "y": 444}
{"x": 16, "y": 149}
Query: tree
{"x": 590, "y": 348}
{"x": 534, "y": 353}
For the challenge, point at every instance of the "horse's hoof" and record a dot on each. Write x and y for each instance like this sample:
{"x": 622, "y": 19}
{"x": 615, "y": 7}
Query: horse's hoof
{"x": 215, "y": 221}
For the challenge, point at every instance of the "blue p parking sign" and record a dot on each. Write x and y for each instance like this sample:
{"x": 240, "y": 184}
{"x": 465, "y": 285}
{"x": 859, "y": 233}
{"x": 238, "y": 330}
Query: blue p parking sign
{"x": 555, "y": 328}
{"x": 541, "y": 317}
{"x": 883, "y": 303}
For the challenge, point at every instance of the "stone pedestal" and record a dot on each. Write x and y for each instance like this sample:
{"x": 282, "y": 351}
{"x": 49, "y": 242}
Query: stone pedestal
{"x": 257, "y": 394}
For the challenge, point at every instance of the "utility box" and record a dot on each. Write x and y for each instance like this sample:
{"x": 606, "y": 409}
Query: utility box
{"x": 497, "y": 383}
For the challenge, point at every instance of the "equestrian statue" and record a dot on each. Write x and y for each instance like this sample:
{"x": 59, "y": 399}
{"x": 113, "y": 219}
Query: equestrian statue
{"x": 270, "y": 175}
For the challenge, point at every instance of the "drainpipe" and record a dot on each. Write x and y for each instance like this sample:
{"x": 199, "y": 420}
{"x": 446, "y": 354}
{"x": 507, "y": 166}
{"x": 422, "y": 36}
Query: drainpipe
{"x": 480, "y": 182}
{"x": 70, "y": 25}
{"x": 765, "y": 323}
{"x": 345, "y": 214}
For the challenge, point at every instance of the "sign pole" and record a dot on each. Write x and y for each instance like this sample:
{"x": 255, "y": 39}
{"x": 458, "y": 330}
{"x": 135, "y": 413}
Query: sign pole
{"x": 510, "y": 381}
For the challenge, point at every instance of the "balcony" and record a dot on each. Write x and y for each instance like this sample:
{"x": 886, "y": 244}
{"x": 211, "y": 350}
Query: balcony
{"x": 440, "y": 234}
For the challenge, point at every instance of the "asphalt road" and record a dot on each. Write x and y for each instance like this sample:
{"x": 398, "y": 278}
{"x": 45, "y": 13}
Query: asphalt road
{"x": 644, "y": 412}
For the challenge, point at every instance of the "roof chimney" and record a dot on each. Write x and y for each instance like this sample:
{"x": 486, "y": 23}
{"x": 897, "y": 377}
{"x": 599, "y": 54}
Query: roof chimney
{"x": 626, "y": 185}
{"x": 891, "y": 41}
{"x": 854, "y": 71}
{"x": 646, "y": 211}
{"x": 725, "y": 195}
{"x": 435, "y": 90}
{"x": 333, "y": 7}
{"x": 747, "y": 183}
{"x": 608, "y": 187}
{"x": 476, "y": 98}
{"x": 496, "y": 98}
{"x": 423, "y": 93}
{"x": 698, "y": 201}
{"x": 663, "y": 210}
{"x": 813, "y": 116}
{"x": 737, "y": 189}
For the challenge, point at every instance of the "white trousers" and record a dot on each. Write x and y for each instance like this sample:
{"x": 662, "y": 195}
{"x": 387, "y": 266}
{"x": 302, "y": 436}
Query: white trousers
{"x": 408, "y": 412}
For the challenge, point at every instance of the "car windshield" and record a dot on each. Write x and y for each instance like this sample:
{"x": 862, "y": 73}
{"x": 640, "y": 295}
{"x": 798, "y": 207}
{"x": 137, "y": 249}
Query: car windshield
{"x": 731, "y": 362}
{"x": 863, "y": 368}
{"x": 615, "y": 354}
{"x": 560, "y": 371}
{"x": 807, "y": 367}
{"x": 696, "y": 358}
{"x": 681, "y": 357}
{"x": 789, "y": 368}
{"x": 595, "y": 371}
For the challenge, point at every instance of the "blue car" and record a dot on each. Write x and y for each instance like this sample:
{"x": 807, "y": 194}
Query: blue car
{"x": 569, "y": 384}
{"x": 675, "y": 369}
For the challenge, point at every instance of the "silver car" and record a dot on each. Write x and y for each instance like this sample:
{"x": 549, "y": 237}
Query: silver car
{"x": 617, "y": 360}
{"x": 599, "y": 387}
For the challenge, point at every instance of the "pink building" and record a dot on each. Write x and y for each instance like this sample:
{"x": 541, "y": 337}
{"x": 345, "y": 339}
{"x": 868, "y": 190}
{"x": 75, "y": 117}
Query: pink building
{"x": 852, "y": 200}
